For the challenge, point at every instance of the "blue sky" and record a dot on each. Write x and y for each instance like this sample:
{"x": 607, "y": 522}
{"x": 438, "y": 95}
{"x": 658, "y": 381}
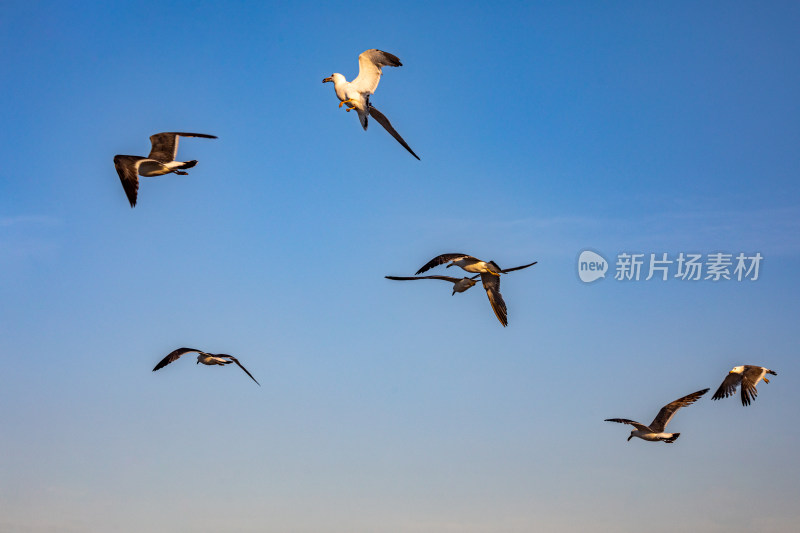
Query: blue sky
{"x": 543, "y": 129}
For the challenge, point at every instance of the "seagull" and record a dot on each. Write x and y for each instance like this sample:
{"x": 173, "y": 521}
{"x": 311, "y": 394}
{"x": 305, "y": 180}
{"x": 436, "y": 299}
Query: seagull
{"x": 160, "y": 161}
{"x": 490, "y": 280}
{"x": 655, "y": 431}
{"x": 205, "y": 358}
{"x": 459, "y": 284}
{"x": 467, "y": 262}
{"x": 748, "y": 376}
{"x": 355, "y": 94}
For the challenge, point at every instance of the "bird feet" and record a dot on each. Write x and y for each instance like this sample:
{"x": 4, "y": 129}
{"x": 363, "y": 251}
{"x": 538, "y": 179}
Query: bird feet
{"x": 345, "y": 102}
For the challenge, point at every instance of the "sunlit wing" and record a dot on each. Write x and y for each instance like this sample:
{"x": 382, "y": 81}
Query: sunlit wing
{"x": 668, "y": 411}
{"x": 369, "y": 69}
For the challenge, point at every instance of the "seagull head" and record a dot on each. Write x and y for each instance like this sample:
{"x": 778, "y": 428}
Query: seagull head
{"x": 335, "y": 77}
{"x": 737, "y": 370}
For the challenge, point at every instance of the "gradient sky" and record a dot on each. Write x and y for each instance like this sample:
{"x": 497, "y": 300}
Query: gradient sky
{"x": 544, "y": 129}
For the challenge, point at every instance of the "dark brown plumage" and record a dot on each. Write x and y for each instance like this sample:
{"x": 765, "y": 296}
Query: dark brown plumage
{"x": 206, "y": 358}
{"x": 748, "y": 377}
{"x": 164, "y": 148}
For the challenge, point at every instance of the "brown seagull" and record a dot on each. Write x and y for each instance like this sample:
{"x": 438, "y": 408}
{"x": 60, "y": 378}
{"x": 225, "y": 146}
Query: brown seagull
{"x": 746, "y": 375}
{"x": 655, "y": 431}
{"x": 160, "y": 161}
{"x": 490, "y": 280}
{"x": 205, "y": 358}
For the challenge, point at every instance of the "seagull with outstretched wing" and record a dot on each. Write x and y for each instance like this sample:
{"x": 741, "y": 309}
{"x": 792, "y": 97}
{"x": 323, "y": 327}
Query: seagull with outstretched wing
{"x": 466, "y": 262}
{"x": 459, "y": 284}
{"x": 488, "y": 272}
{"x": 160, "y": 161}
{"x": 355, "y": 94}
{"x": 655, "y": 431}
{"x": 210, "y": 359}
{"x": 746, "y": 375}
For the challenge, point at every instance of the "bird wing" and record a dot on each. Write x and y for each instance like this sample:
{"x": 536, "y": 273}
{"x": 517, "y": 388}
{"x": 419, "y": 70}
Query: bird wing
{"x": 232, "y": 358}
{"x": 728, "y": 386}
{"x": 128, "y": 170}
{"x": 507, "y": 270}
{"x": 750, "y": 377}
{"x": 445, "y": 278}
{"x": 442, "y": 259}
{"x": 174, "y": 356}
{"x": 369, "y": 69}
{"x": 383, "y": 121}
{"x": 637, "y": 425}
{"x": 492, "y": 285}
{"x": 165, "y": 144}
{"x": 668, "y": 411}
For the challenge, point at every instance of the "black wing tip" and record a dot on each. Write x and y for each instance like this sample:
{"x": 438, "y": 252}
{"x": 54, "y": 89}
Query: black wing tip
{"x": 395, "y": 61}
{"x": 186, "y": 134}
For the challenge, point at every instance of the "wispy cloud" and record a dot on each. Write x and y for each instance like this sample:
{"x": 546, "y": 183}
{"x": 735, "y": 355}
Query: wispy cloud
{"x": 776, "y": 231}
{"x": 29, "y": 220}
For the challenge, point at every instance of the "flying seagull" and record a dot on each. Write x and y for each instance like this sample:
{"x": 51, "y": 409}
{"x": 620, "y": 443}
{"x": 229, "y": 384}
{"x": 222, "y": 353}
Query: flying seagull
{"x": 160, "y": 161}
{"x": 467, "y": 262}
{"x": 655, "y": 431}
{"x": 355, "y": 94}
{"x": 490, "y": 280}
{"x": 459, "y": 284}
{"x": 205, "y": 358}
{"x": 748, "y": 376}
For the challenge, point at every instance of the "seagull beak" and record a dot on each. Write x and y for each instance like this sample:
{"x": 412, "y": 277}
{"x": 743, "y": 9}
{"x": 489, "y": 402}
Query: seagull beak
{"x": 326, "y": 80}
{"x": 630, "y": 437}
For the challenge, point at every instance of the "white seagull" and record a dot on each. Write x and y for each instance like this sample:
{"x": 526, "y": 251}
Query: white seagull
{"x": 205, "y": 358}
{"x": 355, "y": 94}
{"x": 746, "y": 375}
{"x": 655, "y": 431}
{"x": 160, "y": 161}
{"x": 490, "y": 280}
